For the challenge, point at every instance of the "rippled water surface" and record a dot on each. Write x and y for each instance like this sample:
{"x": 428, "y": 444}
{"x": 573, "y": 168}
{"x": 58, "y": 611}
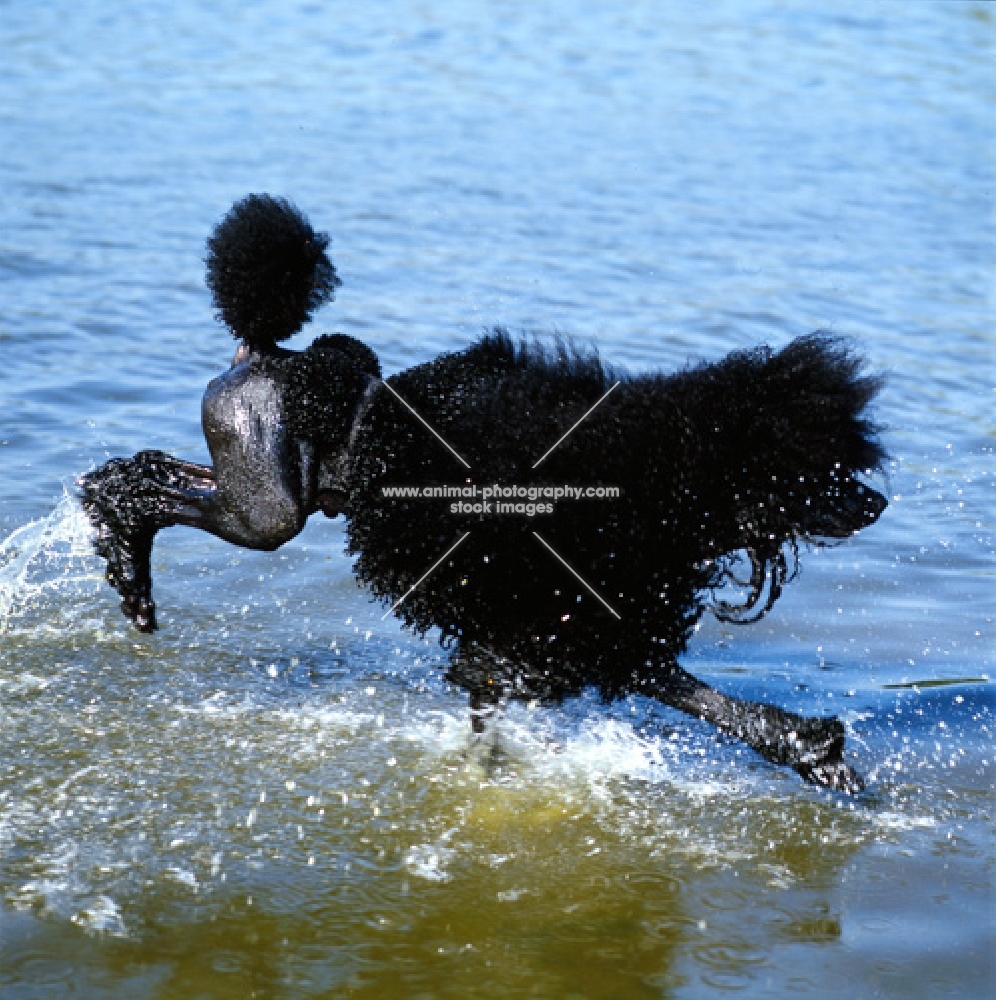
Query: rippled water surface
{"x": 276, "y": 795}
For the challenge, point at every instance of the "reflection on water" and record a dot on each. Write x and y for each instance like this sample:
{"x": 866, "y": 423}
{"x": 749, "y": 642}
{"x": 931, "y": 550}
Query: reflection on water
{"x": 276, "y": 795}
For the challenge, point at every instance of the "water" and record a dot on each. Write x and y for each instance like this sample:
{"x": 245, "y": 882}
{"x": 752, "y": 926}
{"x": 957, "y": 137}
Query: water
{"x": 276, "y": 795}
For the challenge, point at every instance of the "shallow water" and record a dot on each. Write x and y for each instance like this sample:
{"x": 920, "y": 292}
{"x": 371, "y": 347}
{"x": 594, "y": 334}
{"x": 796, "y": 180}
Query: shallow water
{"x": 276, "y": 795}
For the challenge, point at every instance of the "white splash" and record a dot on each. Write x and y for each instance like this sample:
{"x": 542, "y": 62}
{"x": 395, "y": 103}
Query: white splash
{"x": 102, "y": 917}
{"x": 428, "y": 861}
{"x": 51, "y": 554}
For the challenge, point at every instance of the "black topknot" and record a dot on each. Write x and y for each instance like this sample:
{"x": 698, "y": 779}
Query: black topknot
{"x": 267, "y": 270}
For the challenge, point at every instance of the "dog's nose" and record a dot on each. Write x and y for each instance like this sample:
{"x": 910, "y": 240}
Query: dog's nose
{"x": 874, "y": 503}
{"x": 850, "y": 506}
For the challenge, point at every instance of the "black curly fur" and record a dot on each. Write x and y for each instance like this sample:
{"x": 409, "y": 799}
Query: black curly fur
{"x": 748, "y": 455}
{"x": 127, "y": 502}
{"x": 320, "y": 387}
{"x": 721, "y": 465}
{"x": 267, "y": 270}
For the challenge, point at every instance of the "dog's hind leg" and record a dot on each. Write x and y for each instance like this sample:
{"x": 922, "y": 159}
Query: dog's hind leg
{"x": 481, "y": 673}
{"x": 481, "y": 713}
{"x": 483, "y": 754}
{"x": 814, "y": 747}
{"x": 128, "y": 500}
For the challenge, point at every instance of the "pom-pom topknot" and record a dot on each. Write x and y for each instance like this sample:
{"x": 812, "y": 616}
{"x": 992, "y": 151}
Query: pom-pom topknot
{"x": 267, "y": 270}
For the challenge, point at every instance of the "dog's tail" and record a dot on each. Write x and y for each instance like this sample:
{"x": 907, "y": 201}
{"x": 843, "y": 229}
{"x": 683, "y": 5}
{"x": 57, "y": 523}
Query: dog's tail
{"x": 790, "y": 436}
{"x": 267, "y": 270}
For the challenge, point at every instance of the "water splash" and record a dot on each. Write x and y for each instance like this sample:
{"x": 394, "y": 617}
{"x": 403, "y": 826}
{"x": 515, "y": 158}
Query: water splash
{"x": 102, "y": 917}
{"x": 51, "y": 555}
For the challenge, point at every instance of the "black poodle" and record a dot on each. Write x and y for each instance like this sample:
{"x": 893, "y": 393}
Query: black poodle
{"x": 448, "y": 475}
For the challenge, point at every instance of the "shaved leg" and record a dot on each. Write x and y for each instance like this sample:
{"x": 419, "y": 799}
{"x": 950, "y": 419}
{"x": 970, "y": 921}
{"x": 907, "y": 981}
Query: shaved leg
{"x": 481, "y": 713}
{"x": 481, "y": 673}
{"x": 813, "y": 747}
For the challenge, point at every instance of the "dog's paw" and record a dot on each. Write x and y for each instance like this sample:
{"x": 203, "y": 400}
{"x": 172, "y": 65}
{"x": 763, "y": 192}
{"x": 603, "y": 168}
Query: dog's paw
{"x": 115, "y": 501}
{"x": 142, "y": 612}
{"x": 817, "y": 754}
{"x": 128, "y": 572}
{"x": 835, "y": 775}
{"x": 821, "y": 761}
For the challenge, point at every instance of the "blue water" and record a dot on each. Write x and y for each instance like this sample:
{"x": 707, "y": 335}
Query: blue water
{"x": 667, "y": 182}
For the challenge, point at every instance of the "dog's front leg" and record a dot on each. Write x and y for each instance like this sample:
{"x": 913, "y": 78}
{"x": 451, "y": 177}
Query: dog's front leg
{"x": 814, "y": 747}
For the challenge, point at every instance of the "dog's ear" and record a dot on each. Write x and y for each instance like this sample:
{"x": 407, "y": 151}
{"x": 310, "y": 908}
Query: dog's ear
{"x": 361, "y": 356}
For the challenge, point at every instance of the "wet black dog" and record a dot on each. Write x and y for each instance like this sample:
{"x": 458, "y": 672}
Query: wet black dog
{"x": 717, "y": 466}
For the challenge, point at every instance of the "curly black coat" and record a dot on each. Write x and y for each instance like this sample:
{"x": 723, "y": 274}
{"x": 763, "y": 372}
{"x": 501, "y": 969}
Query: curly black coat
{"x": 747, "y": 455}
